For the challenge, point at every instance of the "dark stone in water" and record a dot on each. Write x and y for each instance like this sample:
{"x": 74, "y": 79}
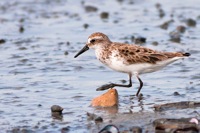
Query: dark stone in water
{"x": 104, "y": 15}
{"x": 21, "y": 29}
{"x": 91, "y": 8}
{"x": 155, "y": 43}
{"x": 66, "y": 53}
{"x": 65, "y": 129}
{"x": 176, "y": 105}
{"x": 85, "y": 26}
{"x": 175, "y": 36}
{"x": 98, "y": 120}
{"x": 166, "y": 24}
{"x": 176, "y": 93}
{"x": 140, "y": 40}
{"x": 191, "y": 22}
{"x": 136, "y": 129}
{"x": 175, "y": 125}
{"x": 2, "y": 41}
{"x": 181, "y": 28}
{"x": 56, "y": 112}
{"x": 56, "y": 108}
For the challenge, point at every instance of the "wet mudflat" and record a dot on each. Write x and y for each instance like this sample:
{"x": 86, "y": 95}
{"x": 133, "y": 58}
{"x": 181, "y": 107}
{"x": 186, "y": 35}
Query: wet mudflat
{"x": 39, "y": 39}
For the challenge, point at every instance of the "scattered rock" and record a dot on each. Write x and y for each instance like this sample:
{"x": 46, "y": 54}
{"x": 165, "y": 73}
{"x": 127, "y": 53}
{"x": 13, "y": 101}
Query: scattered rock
{"x": 140, "y": 40}
{"x": 175, "y": 125}
{"x": 158, "y": 5}
{"x": 91, "y": 116}
{"x": 166, "y": 24}
{"x": 85, "y": 26}
{"x": 22, "y": 48}
{"x": 65, "y": 129}
{"x": 98, "y": 120}
{"x": 56, "y": 112}
{"x": 160, "y": 10}
{"x": 175, "y": 36}
{"x": 181, "y": 28}
{"x": 104, "y": 15}
{"x": 177, "y": 105}
{"x": 136, "y": 129}
{"x": 21, "y": 29}
{"x": 21, "y": 20}
{"x": 108, "y": 99}
{"x": 2, "y": 41}
{"x": 161, "y": 13}
{"x": 155, "y": 43}
{"x": 123, "y": 81}
{"x": 191, "y": 22}
{"x": 56, "y": 108}
{"x": 91, "y": 8}
{"x": 66, "y": 53}
{"x": 176, "y": 93}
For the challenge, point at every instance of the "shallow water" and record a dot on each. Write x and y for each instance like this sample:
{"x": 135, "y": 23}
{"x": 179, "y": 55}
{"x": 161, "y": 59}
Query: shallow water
{"x": 38, "y": 69}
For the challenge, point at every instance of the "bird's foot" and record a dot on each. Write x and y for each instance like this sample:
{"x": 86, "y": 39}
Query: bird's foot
{"x": 105, "y": 87}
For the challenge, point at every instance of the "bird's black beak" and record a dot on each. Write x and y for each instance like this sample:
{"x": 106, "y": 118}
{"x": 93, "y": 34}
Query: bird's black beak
{"x": 85, "y": 48}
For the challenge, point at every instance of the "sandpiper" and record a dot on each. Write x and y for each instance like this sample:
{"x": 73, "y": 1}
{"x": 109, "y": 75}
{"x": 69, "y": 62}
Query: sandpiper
{"x": 128, "y": 58}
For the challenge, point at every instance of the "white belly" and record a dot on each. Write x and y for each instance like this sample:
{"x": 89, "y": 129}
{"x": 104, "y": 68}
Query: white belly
{"x": 139, "y": 68}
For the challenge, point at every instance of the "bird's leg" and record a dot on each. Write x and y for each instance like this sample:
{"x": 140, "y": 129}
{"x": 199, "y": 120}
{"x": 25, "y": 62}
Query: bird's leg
{"x": 141, "y": 84}
{"x": 111, "y": 85}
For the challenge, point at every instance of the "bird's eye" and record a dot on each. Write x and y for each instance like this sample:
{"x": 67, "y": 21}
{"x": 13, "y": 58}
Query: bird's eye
{"x": 93, "y": 40}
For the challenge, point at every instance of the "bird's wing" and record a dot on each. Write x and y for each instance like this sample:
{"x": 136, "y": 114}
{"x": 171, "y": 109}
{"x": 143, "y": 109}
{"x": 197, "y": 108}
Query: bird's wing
{"x": 137, "y": 54}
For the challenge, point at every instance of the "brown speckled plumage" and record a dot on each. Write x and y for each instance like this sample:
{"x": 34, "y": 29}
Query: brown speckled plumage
{"x": 129, "y": 52}
{"x": 128, "y": 58}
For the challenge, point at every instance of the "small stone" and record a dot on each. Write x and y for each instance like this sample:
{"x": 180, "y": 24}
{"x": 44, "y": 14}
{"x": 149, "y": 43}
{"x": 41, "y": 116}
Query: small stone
{"x": 65, "y": 129}
{"x": 56, "y": 108}
{"x": 158, "y": 5}
{"x": 108, "y": 99}
{"x": 85, "y": 26}
{"x": 176, "y": 93}
{"x": 66, "y": 53}
{"x": 181, "y": 29}
{"x": 140, "y": 40}
{"x": 166, "y": 24}
{"x": 161, "y": 13}
{"x": 68, "y": 43}
{"x": 155, "y": 43}
{"x": 91, "y": 8}
{"x": 191, "y": 22}
{"x": 98, "y": 120}
{"x": 136, "y": 129}
{"x": 175, "y": 36}
{"x": 2, "y": 41}
{"x": 104, "y": 15}
{"x": 21, "y": 29}
{"x": 22, "y": 48}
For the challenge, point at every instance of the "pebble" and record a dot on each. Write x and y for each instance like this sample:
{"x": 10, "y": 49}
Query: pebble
{"x": 136, "y": 129}
{"x": 66, "y": 53}
{"x": 165, "y": 25}
{"x": 98, "y": 120}
{"x": 85, "y": 26}
{"x": 140, "y": 40}
{"x": 191, "y": 22}
{"x": 56, "y": 108}
{"x": 104, "y": 15}
{"x": 181, "y": 28}
{"x": 91, "y": 8}
{"x": 176, "y": 93}
{"x": 108, "y": 99}
{"x": 21, "y": 29}
{"x": 2, "y": 41}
